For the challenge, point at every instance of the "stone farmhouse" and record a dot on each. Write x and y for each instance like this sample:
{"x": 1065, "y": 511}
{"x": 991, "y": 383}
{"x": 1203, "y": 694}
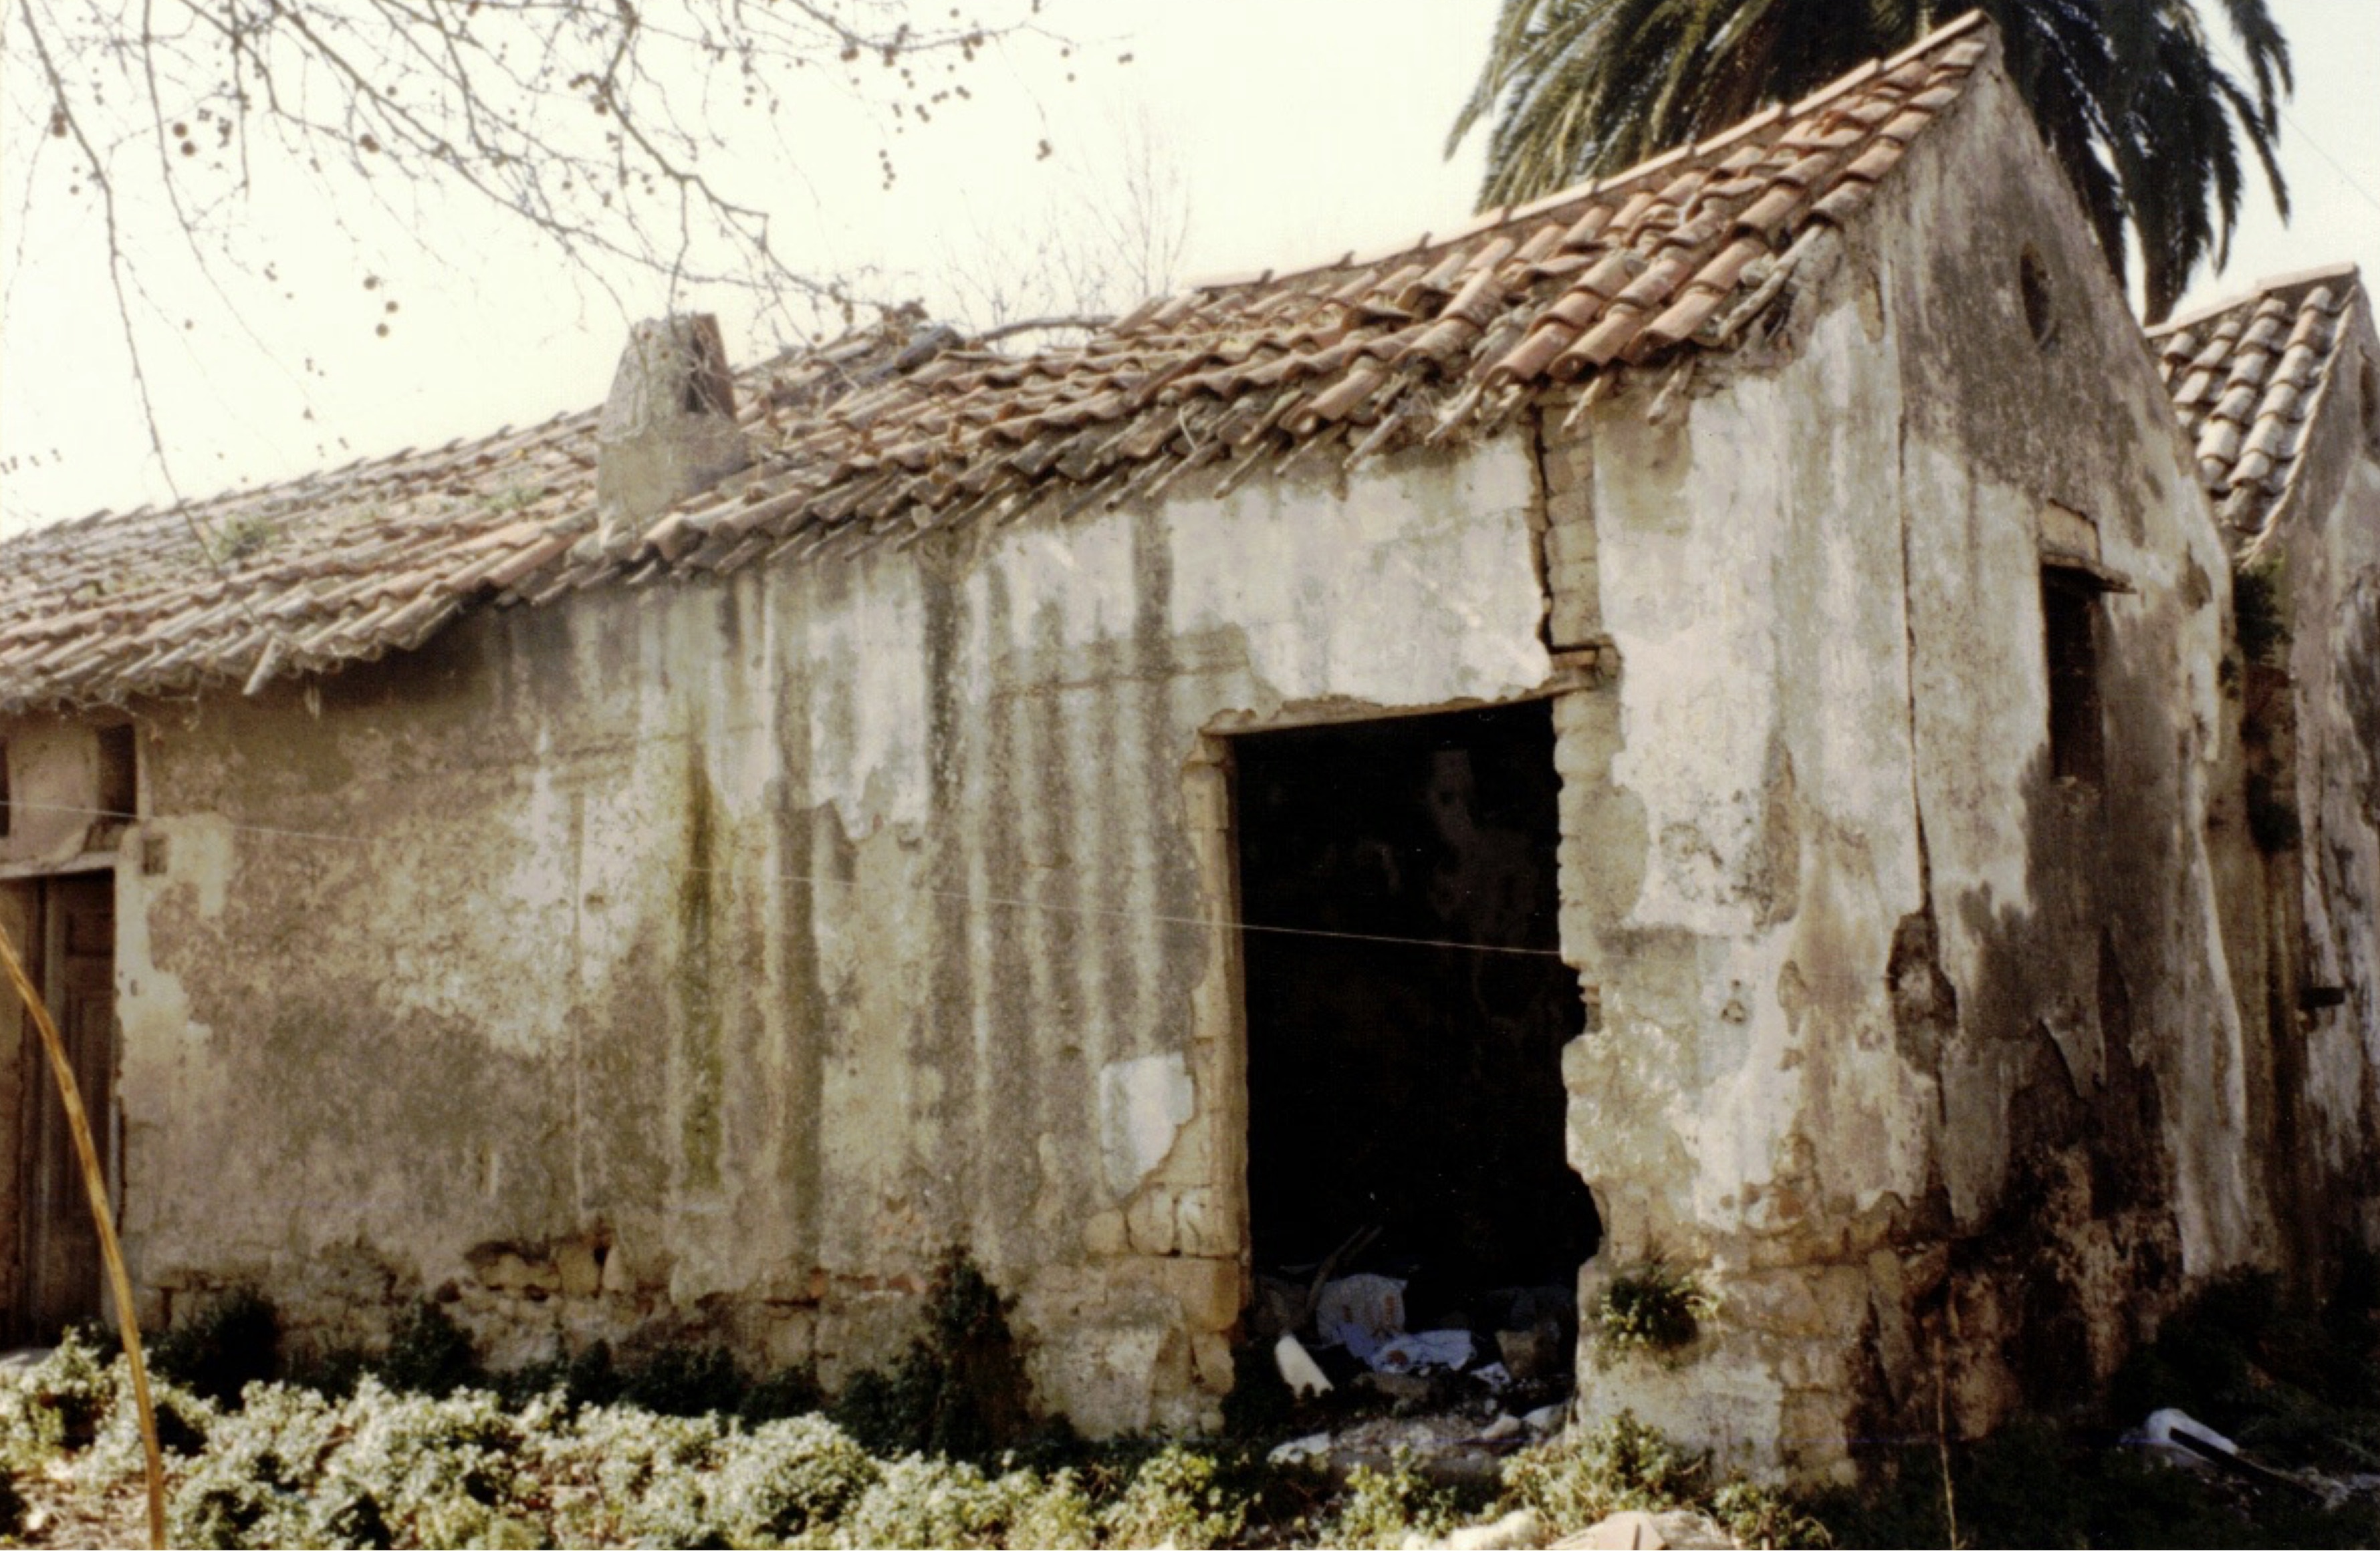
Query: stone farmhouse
{"x": 1706, "y": 720}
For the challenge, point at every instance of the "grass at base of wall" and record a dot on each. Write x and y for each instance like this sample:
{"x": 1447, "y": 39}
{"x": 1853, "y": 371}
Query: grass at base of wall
{"x": 381, "y": 1467}
{"x": 677, "y": 1446}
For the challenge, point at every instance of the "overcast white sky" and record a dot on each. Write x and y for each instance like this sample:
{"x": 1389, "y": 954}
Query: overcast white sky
{"x": 1299, "y": 128}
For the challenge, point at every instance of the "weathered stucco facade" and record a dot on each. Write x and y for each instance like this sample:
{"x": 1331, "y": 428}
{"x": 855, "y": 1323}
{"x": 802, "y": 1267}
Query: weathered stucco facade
{"x": 725, "y": 953}
{"x": 711, "y": 950}
{"x": 2280, "y": 391}
{"x": 1923, "y": 1049}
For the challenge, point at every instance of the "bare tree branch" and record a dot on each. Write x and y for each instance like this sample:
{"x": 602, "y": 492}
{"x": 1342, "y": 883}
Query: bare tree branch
{"x": 610, "y": 128}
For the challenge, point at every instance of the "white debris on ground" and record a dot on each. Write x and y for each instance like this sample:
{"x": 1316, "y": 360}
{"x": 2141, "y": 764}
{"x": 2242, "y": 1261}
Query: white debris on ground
{"x": 1309, "y": 1449}
{"x": 1298, "y": 1369}
{"x": 2178, "y": 1438}
{"x": 1361, "y": 1312}
{"x": 1463, "y": 1395}
{"x": 1423, "y": 1351}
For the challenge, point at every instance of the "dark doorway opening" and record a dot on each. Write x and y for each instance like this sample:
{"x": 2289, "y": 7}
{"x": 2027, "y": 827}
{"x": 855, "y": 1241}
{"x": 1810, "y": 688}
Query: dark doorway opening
{"x": 1406, "y": 1015}
{"x": 65, "y": 929}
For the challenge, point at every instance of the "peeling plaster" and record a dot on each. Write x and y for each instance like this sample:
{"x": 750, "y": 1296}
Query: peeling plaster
{"x": 1143, "y": 1103}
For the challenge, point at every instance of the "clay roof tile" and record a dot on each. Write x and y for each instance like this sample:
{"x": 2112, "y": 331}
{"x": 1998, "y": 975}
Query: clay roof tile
{"x": 889, "y": 433}
{"x": 2245, "y": 377}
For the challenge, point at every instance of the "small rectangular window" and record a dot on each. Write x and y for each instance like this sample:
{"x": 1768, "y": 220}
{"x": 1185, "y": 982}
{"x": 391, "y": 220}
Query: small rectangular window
{"x": 119, "y": 773}
{"x": 2070, "y": 615}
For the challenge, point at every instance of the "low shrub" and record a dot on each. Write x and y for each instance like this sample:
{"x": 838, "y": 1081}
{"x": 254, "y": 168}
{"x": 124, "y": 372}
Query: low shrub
{"x": 334, "y": 1372}
{"x": 918, "y": 1501}
{"x": 685, "y": 1381}
{"x": 1176, "y": 1498}
{"x": 186, "y": 1424}
{"x": 233, "y": 1344}
{"x": 1382, "y": 1508}
{"x": 785, "y": 1477}
{"x": 257, "y": 1481}
{"x": 1592, "y": 1473}
{"x": 788, "y": 1392}
{"x": 960, "y": 1390}
{"x": 428, "y": 1354}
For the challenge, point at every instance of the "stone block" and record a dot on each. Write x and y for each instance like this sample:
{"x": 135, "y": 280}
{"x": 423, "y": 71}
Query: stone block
{"x": 1570, "y": 472}
{"x": 1842, "y": 1295}
{"x": 506, "y": 1272}
{"x": 789, "y": 1337}
{"x": 1201, "y": 1226}
{"x": 1206, "y": 1290}
{"x": 1105, "y": 1233}
{"x": 1570, "y": 545}
{"x": 1210, "y": 1361}
{"x": 1149, "y": 1220}
{"x": 581, "y": 1273}
{"x": 1776, "y": 1303}
{"x": 1810, "y": 1426}
{"x": 1106, "y": 1373}
{"x": 1577, "y": 612}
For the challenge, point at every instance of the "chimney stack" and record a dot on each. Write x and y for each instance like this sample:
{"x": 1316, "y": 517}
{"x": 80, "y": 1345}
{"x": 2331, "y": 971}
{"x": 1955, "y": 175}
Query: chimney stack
{"x": 669, "y": 427}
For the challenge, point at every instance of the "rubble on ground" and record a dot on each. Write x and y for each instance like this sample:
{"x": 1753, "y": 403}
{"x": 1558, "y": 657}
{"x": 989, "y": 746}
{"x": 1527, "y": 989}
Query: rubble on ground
{"x": 1471, "y": 1381}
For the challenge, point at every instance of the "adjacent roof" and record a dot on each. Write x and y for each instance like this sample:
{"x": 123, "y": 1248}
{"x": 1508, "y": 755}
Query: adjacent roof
{"x": 885, "y": 436}
{"x": 2246, "y": 375}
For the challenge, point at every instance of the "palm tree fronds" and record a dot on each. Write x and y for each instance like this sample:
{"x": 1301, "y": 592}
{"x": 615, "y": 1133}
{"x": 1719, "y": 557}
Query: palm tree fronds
{"x": 2130, "y": 96}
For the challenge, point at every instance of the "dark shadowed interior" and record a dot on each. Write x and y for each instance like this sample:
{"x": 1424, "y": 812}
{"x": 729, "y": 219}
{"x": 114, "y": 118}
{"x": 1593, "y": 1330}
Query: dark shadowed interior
{"x": 1411, "y": 1087}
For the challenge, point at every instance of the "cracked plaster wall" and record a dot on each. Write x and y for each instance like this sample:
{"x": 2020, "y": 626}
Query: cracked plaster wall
{"x": 2325, "y": 544}
{"x": 714, "y": 954}
{"x": 709, "y": 956}
{"x": 1903, "y": 1046}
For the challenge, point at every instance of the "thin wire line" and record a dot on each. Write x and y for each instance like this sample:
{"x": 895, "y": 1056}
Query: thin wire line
{"x": 1203, "y": 922}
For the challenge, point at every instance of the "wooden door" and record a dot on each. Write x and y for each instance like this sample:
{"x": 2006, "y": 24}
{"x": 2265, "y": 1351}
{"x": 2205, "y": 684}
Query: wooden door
{"x": 76, "y": 971}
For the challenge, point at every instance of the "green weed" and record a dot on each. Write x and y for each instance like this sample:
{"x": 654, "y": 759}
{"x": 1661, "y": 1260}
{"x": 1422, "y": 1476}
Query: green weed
{"x": 1655, "y": 1309}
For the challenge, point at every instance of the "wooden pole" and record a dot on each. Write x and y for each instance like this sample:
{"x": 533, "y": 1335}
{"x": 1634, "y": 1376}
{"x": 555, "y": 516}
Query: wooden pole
{"x": 95, "y": 1182}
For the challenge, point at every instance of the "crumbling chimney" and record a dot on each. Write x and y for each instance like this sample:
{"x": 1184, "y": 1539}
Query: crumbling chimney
{"x": 669, "y": 427}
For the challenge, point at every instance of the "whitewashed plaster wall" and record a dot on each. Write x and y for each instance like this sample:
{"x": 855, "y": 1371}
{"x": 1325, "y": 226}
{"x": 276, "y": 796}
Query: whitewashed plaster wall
{"x": 723, "y": 951}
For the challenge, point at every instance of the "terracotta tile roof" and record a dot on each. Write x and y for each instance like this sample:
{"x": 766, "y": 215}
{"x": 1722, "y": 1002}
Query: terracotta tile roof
{"x": 341, "y": 565}
{"x": 2246, "y": 376}
{"x": 1430, "y": 342}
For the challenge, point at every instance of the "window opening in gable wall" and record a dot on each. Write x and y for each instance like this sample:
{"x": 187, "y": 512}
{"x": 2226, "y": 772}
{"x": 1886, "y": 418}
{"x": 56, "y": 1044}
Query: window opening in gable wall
{"x": 2032, "y": 289}
{"x": 2070, "y": 615}
{"x": 119, "y": 773}
{"x": 1406, "y": 1109}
